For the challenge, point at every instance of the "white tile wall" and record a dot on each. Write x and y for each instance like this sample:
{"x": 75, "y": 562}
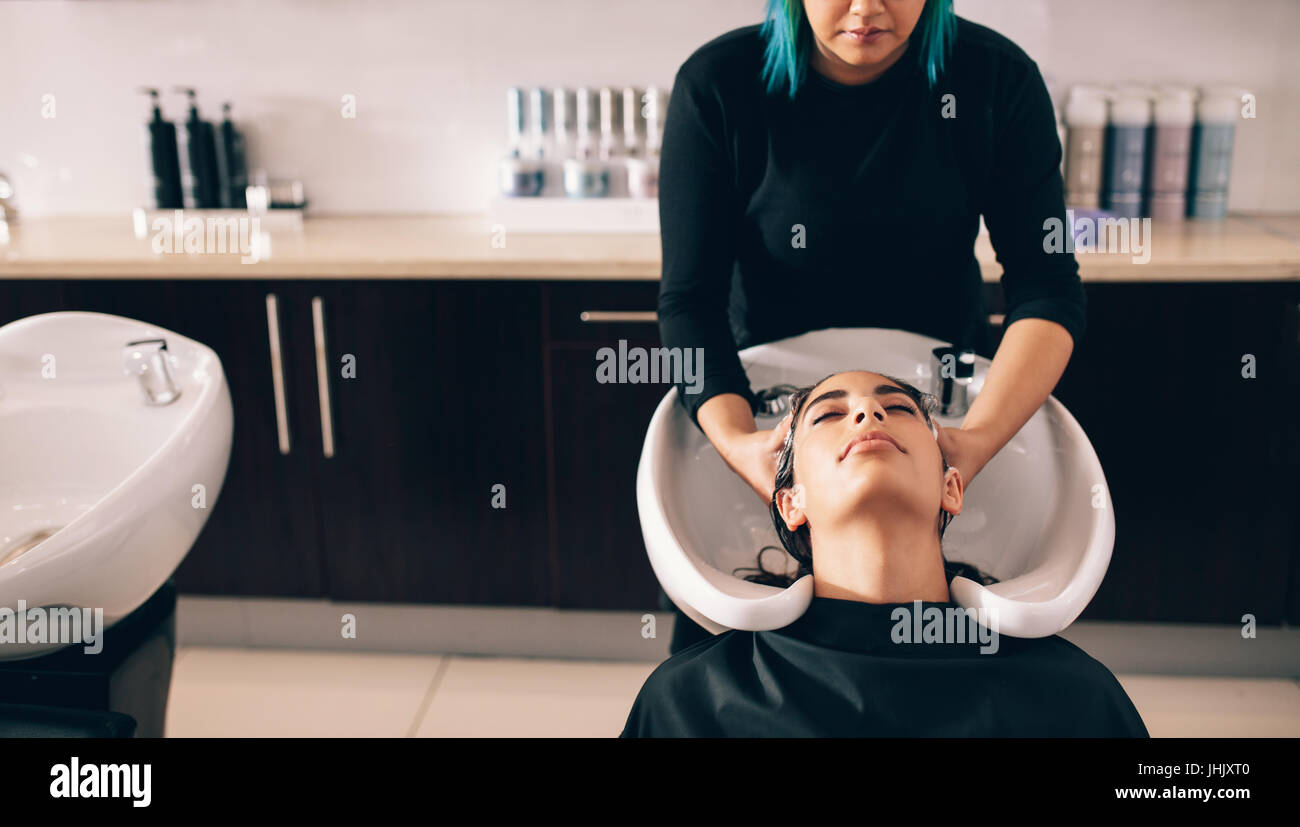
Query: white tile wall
{"x": 429, "y": 79}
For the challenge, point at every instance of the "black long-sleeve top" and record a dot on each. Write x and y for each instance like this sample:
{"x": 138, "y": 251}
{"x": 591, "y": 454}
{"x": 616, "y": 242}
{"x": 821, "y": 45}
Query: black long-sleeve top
{"x": 855, "y": 206}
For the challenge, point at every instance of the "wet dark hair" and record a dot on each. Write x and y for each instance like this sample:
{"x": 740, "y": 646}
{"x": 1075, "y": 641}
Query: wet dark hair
{"x": 797, "y": 542}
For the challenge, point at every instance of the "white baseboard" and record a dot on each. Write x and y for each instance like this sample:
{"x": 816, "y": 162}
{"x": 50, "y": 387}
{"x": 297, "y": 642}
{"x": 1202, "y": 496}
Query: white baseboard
{"x": 1125, "y": 648}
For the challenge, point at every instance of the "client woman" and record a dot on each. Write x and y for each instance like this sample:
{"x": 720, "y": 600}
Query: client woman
{"x": 863, "y": 494}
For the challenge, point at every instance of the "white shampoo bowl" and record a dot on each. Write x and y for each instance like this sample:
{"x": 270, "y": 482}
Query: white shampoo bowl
{"x": 1038, "y": 516}
{"x": 108, "y": 481}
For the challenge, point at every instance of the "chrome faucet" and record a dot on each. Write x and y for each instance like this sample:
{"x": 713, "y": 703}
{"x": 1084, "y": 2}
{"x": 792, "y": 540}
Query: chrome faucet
{"x": 149, "y": 360}
{"x": 773, "y": 401}
{"x": 952, "y": 370}
{"x": 8, "y": 209}
{"x": 8, "y": 212}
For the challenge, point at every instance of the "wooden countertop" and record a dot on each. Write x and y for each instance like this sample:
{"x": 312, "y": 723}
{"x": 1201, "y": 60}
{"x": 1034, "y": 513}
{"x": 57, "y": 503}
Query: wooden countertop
{"x": 1240, "y": 248}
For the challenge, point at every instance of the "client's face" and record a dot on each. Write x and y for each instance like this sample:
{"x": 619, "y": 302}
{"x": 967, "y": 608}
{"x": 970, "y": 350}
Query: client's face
{"x": 862, "y": 447}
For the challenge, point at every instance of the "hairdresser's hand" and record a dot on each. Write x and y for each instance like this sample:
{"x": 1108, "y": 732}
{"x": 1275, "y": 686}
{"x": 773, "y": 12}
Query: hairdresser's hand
{"x": 753, "y": 456}
{"x": 966, "y": 449}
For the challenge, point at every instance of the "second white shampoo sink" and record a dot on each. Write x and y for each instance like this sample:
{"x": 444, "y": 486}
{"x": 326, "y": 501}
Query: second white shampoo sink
{"x": 101, "y": 494}
{"x": 1038, "y": 516}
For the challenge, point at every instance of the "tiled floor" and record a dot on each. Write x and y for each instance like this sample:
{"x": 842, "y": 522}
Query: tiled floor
{"x": 1184, "y": 707}
{"x": 286, "y": 692}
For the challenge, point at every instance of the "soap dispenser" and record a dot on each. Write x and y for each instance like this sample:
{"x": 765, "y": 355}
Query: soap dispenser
{"x": 200, "y": 182}
{"x": 164, "y": 160}
{"x": 234, "y": 169}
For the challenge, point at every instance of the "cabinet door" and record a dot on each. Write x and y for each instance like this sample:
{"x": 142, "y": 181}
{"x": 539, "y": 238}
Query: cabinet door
{"x": 20, "y": 299}
{"x": 598, "y": 431}
{"x": 436, "y": 489}
{"x": 261, "y": 537}
{"x": 1194, "y": 452}
{"x": 1291, "y": 402}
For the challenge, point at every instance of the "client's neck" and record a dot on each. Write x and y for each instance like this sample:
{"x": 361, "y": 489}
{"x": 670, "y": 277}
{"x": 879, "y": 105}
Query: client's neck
{"x": 875, "y": 562}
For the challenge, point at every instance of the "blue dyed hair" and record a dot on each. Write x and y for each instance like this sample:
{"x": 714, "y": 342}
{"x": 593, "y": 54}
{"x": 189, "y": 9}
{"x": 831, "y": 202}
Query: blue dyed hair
{"x": 789, "y": 39}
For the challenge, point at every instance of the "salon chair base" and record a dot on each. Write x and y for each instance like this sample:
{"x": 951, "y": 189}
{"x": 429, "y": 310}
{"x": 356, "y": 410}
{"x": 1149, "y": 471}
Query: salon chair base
{"x": 118, "y": 692}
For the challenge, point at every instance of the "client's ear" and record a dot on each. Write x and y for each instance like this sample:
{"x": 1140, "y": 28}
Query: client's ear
{"x": 790, "y": 502}
{"x": 954, "y": 490}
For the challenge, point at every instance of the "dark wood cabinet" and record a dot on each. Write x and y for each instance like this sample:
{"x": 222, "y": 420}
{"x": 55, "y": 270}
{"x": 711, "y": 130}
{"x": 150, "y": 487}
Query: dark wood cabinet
{"x": 434, "y": 397}
{"x": 438, "y": 392}
{"x": 1198, "y": 457}
{"x": 438, "y": 422}
{"x": 598, "y": 431}
{"x": 20, "y": 299}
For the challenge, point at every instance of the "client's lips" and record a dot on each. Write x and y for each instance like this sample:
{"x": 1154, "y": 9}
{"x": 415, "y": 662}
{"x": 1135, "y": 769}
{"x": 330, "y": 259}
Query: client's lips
{"x": 868, "y": 437}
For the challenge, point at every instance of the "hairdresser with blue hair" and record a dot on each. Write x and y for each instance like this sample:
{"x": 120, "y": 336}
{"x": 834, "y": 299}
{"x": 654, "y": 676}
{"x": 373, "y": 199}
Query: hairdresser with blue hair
{"x": 829, "y": 168}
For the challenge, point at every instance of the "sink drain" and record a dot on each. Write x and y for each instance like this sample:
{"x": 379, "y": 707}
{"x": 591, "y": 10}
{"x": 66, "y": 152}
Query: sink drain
{"x": 24, "y": 546}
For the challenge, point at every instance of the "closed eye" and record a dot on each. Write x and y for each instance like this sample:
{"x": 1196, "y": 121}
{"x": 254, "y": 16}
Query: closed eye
{"x": 907, "y": 408}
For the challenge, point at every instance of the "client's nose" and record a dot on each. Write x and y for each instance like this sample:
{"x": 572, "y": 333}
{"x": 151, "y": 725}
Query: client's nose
{"x": 868, "y": 405}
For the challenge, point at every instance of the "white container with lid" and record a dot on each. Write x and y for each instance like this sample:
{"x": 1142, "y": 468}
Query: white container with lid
{"x": 1220, "y": 104}
{"x": 1086, "y": 106}
{"x": 1130, "y": 105}
{"x": 1175, "y": 106}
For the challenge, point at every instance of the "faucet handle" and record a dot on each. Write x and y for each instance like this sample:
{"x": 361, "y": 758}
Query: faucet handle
{"x": 153, "y": 367}
{"x": 161, "y": 343}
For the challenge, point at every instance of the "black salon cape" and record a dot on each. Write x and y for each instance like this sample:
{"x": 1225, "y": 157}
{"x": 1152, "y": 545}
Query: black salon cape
{"x": 836, "y": 672}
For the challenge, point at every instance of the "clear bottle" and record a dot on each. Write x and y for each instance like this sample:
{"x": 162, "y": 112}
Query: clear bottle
{"x": 643, "y": 170}
{"x": 585, "y": 175}
{"x": 564, "y": 129}
{"x": 611, "y": 122}
{"x": 518, "y": 174}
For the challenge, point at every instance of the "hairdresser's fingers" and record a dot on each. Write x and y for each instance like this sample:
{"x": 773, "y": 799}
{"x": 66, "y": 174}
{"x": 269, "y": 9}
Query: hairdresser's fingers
{"x": 776, "y": 439}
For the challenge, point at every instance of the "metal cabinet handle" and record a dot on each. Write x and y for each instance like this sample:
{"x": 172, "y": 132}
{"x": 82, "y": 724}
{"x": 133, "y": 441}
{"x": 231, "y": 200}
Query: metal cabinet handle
{"x": 592, "y": 316}
{"x": 277, "y": 370}
{"x": 322, "y": 377}
{"x": 618, "y": 316}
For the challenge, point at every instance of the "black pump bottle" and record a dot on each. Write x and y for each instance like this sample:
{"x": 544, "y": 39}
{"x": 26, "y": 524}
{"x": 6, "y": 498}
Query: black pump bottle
{"x": 164, "y": 159}
{"x": 201, "y": 184}
{"x": 234, "y": 170}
